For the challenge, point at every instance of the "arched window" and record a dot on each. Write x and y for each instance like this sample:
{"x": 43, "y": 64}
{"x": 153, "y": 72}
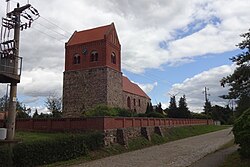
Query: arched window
{"x": 139, "y": 102}
{"x": 113, "y": 58}
{"x": 129, "y": 103}
{"x": 76, "y": 59}
{"x": 94, "y": 56}
{"x": 134, "y": 102}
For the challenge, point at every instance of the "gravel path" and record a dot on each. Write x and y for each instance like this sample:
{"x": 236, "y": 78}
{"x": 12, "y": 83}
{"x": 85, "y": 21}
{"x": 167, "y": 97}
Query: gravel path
{"x": 177, "y": 153}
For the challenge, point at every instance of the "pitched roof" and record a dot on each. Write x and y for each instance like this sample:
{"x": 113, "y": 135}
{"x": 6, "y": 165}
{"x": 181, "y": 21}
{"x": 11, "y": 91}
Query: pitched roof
{"x": 89, "y": 35}
{"x": 133, "y": 88}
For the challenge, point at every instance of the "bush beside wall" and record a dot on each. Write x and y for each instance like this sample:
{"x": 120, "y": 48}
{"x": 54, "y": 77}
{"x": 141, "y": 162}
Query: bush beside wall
{"x": 42, "y": 152}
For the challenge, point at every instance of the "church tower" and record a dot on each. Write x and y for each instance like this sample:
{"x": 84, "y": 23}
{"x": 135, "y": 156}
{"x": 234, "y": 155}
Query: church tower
{"x": 92, "y": 73}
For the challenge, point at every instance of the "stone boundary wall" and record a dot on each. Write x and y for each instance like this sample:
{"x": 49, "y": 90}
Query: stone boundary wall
{"x": 123, "y": 135}
{"x": 100, "y": 123}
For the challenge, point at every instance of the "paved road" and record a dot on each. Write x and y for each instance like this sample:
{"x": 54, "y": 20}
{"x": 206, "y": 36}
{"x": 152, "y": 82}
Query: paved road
{"x": 173, "y": 154}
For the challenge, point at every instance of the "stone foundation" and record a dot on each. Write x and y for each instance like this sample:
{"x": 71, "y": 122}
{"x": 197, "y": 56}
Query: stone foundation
{"x": 122, "y": 136}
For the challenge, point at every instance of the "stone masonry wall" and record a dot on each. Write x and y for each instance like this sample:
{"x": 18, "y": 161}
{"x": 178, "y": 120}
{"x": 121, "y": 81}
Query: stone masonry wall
{"x": 114, "y": 88}
{"x": 134, "y": 100}
{"x": 83, "y": 90}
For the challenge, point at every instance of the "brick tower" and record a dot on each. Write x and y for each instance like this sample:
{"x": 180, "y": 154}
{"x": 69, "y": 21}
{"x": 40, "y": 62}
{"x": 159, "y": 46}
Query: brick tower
{"x": 92, "y": 73}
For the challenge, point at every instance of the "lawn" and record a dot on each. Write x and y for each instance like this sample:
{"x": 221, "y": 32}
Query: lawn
{"x": 36, "y": 136}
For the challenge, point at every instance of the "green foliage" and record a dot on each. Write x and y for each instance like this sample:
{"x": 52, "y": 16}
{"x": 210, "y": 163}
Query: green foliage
{"x": 158, "y": 109}
{"x": 124, "y": 113}
{"x": 141, "y": 115}
{"x": 103, "y": 110}
{"x": 54, "y": 105}
{"x": 3, "y": 103}
{"x": 63, "y": 147}
{"x": 198, "y": 115}
{"x": 138, "y": 143}
{"x": 149, "y": 108}
{"x": 239, "y": 81}
{"x": 157, "y": 139}
{"x": 207, "y": 107}
{"x": 155, "y": 115}
{"x": 183, "y": 111}
{"x": 4, "y": 159}
{"x": 222, "y": 114}
{"x": 241, "y": 132}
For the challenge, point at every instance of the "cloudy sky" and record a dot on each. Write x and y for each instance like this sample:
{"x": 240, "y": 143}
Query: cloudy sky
{"x": 169, "y": 47}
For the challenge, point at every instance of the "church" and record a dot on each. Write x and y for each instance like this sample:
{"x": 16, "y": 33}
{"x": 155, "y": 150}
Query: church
{"x": 93, "y": 74}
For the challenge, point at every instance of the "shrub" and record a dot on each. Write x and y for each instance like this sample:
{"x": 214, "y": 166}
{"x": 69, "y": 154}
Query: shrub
{"x": 241, "y": 132}
{"x": 155, "y": 115}
{"x": 55, "y": 149}
{"x": 101, "y": 110}
{"x": 124, "y": 113}
{"x": 4, "y": 159}
{"x": 141, "y": 115}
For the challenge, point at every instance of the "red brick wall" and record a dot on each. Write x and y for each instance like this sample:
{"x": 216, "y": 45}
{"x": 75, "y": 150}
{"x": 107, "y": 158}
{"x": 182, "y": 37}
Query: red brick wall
{"x": 100, "y": 123}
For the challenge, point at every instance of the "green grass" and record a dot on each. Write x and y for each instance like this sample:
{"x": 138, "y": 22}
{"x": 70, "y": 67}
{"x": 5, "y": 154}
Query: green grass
{"x": 234, "y": 160}
{"x": 174, "y": 133}
{"x": 35, "y": 136}
{"x": 188, "y": 131}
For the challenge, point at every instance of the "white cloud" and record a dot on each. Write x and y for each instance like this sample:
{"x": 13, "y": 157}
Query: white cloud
{"x": 141, "y": 26}
{"x": 193, "y": 87}
{"x": 147, "y": 87}
{"x": 40, "y": 82}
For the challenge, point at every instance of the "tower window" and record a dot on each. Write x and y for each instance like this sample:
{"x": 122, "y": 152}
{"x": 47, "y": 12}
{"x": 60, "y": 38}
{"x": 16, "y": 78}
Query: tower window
{"x": 94, "y": 56}
{"x": 76, "y": 59}
{"x": 134, "y": 102}
{"x": 139, "y": 102}
{"x": 113, "y": 58}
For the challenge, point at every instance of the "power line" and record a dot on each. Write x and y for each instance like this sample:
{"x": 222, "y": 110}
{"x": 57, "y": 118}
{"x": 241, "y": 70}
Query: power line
{"x": 48, "y": 35}
{"x": 52, "y": 30}
{"x": 55, "y": 25}
{"x": 50, "y": 22}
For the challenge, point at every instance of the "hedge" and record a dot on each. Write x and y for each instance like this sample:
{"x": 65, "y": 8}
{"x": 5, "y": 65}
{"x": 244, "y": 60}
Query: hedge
{"x": 241, "y": 132}
{"x": 55, "y": 149}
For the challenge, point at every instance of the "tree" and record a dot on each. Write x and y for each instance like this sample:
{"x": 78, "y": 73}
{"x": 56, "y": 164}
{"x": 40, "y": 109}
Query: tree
{"x": 183, "y": 111}
{"x": 159, "y": 108}
{"x": 54, "y": 105}
{"x": 222, "y": 114}
{"x": 3, "y": 103}
{"x": 36, "y": 115}
{"x": 172, "y": 109}
{"x": 22, "y": 111}
{"x": 239, "y": 81}
{"x": 149, "y": 108}
{"x": 207, "y": 107}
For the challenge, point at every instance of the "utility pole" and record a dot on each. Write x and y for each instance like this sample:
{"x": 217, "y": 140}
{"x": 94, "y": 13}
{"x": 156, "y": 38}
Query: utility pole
{"x": 13, "y": 86}
{"x": 206, "y": 94}
{"x": 207, "y": 103}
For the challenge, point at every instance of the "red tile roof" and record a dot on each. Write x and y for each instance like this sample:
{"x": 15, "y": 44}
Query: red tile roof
{"x": 89, "y": 35}
{"x": 133, "y": 88}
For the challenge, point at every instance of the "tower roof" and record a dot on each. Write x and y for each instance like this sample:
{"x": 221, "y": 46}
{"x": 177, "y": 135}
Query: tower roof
{"x": 133, "y": 88}
{"x": 89, "y": 35}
